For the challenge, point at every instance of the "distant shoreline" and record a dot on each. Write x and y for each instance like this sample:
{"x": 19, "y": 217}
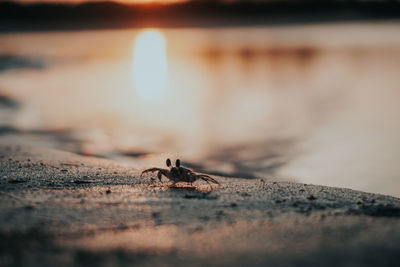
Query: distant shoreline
{"x": 110, "y": 15}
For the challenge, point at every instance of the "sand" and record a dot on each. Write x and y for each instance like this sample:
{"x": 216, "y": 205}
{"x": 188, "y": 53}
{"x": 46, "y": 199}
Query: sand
{"x": 59, "y": 208}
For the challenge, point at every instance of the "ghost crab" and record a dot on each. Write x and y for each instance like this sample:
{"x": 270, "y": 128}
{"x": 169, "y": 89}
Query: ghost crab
{"x": 180, "y": 174}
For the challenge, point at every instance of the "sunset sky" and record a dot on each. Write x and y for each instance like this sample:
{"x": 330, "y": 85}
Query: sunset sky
{"x": 80, "y": 1}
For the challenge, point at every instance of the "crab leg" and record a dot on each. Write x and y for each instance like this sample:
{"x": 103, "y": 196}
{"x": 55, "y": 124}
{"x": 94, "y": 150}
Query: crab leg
{"x": 159, "y": 174}
{"x": 150, "y": 170}
{"x": 207, "y": 179}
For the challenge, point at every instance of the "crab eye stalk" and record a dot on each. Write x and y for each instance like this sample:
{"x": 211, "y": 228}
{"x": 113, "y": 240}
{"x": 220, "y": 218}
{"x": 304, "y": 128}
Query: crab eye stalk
{"x": 169, "y": 163}
{"x": 178, "y": 163}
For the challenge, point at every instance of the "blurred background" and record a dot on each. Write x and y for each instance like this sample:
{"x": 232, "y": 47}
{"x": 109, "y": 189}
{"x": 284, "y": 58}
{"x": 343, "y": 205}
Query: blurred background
{"x": 297, "y": 90}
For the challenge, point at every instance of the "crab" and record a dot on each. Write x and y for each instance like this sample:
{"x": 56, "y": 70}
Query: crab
{"x": 180, "y": 174}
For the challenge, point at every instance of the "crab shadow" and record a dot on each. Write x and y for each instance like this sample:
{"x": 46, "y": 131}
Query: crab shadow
{"x": 190, "y": 191}
{"x": 188, "y": 188}
{"x": 184, "y": 188}
{"x": 193, "y": 192}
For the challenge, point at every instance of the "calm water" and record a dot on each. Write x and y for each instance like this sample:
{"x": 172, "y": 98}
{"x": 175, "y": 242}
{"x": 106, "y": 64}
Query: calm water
{"x": 317, "y": 104}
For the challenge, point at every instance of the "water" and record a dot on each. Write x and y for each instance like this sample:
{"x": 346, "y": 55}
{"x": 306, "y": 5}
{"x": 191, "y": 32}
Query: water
{"x": 316, "y": 104}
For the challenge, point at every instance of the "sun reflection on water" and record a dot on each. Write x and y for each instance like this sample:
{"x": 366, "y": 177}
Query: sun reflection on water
{"x": 150, "y": 65}
{"x": 166, "y": 93}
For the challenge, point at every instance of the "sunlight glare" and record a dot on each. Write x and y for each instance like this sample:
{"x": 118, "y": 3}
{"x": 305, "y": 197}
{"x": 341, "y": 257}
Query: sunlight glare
{"x": 150, "y": 65}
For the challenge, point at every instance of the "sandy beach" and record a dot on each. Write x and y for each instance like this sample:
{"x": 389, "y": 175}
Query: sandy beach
{"x": 60, "y": 208}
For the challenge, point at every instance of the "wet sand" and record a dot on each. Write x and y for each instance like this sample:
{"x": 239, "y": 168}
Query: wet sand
{"x": 60, "y": 208}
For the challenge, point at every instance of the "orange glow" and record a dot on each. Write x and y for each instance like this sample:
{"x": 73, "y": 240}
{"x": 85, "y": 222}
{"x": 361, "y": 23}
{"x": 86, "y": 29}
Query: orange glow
{"x": 152, "y": 1}
{"x": 121, "y": 1}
